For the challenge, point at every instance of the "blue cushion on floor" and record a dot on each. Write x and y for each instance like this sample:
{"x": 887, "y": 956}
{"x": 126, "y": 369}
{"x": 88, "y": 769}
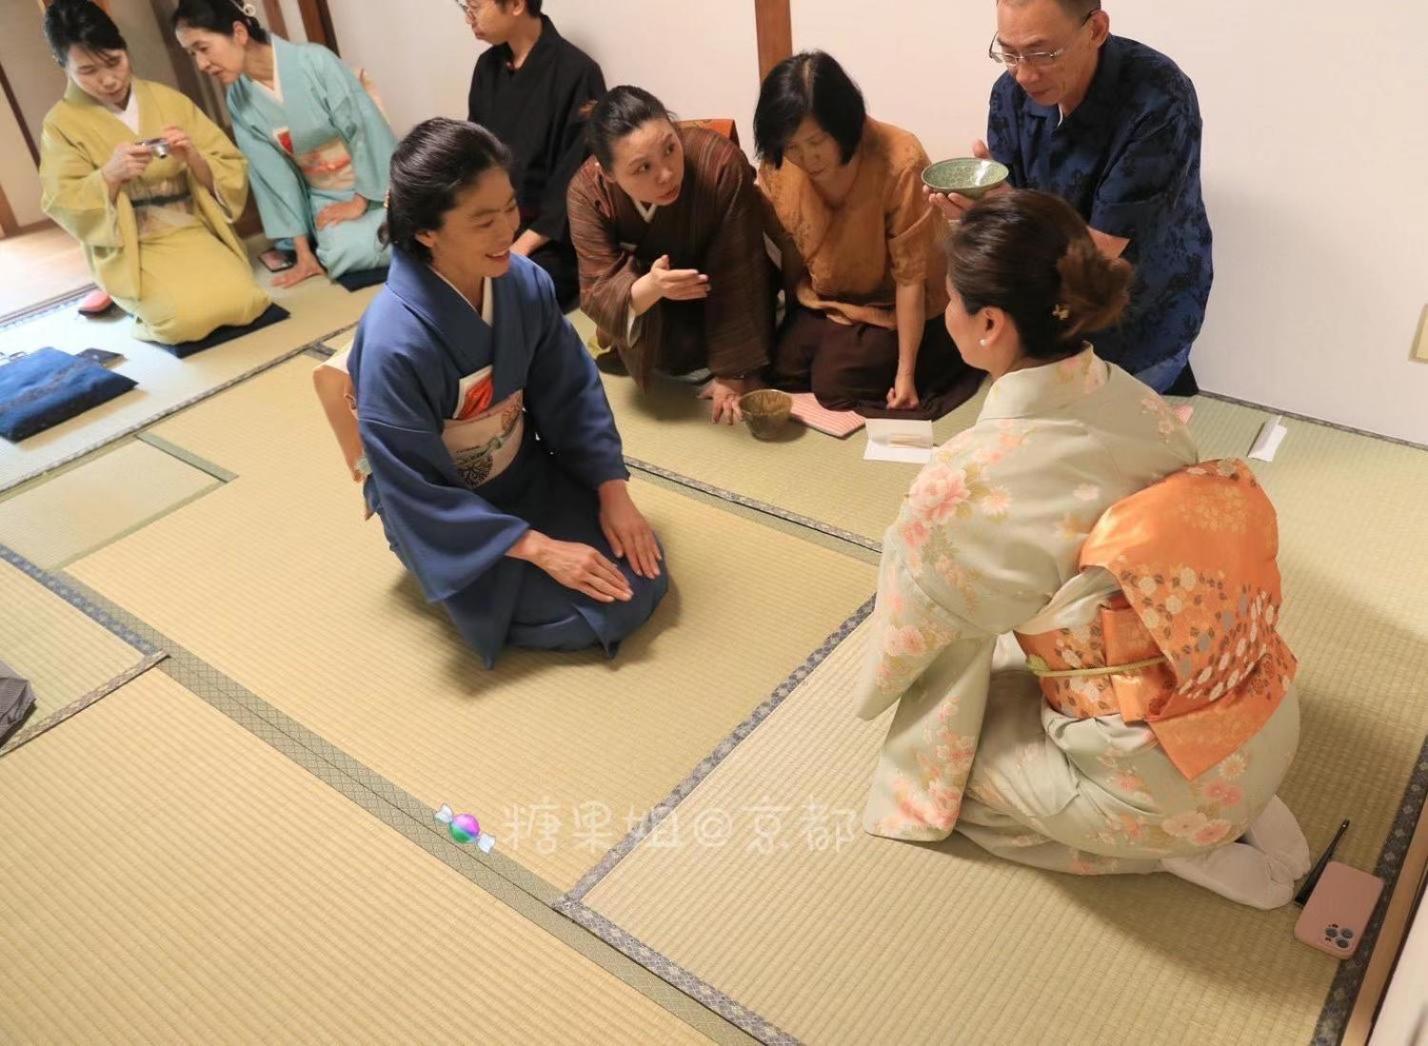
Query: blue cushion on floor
{"x": 46, "y": 387}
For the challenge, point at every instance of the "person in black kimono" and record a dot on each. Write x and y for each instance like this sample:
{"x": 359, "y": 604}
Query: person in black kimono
{"x": 535, "y": 89}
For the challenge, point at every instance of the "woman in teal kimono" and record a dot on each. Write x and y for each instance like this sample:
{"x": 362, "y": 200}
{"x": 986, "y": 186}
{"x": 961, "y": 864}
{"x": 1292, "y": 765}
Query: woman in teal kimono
{"x": 318, "y": 147}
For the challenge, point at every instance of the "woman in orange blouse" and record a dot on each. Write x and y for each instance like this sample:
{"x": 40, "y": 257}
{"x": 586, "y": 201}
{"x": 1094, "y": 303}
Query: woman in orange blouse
{"x": 858, "y": 247}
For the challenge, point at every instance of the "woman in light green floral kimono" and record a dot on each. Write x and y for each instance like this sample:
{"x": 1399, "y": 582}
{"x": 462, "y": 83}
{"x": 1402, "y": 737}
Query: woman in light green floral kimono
{"x": 1075, "y": 618}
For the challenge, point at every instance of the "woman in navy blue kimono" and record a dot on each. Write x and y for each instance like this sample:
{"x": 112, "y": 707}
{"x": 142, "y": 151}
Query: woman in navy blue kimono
{"x": 495, "y": 464}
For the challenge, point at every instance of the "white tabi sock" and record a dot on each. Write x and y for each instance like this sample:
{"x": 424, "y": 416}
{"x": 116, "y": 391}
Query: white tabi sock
{"x": 1237, "y": 872}
{"x": 1277, "y": 834}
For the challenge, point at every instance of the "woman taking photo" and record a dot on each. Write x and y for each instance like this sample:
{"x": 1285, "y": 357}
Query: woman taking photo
{"x": 148, "y": 184}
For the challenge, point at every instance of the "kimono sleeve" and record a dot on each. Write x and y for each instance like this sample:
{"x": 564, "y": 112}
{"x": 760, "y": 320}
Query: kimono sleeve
{"x": 75, "y": 194}
{"x": 567, "y": 401}
{"x": 911, "y": 223}
{"x": 569, "y": 150}
{"x": 230, "y": 169}
{"x": 369, "y": 137}
{"x": 956, "y": 573}
{"x": 738, "y": 314}
{"x": 607, "y": 270}
{"x": 279, "y": 189}
{"x": 446, "y": 534}
{"x": 1138, "y": 195}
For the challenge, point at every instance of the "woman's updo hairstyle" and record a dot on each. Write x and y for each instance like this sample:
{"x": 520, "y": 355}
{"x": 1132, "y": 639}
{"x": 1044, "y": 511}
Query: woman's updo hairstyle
{"x": 1031, "y": 255}
{"x": 622, "y": 111}
{"x": 83, "y": 24}
{"x": 219, "y": 16}
{"x": 430, "y": 168}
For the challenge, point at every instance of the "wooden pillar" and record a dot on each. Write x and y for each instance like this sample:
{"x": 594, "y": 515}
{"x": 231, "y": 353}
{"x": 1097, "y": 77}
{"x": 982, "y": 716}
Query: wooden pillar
{"x": 317, "y": 23}
{"x": 8, "y": 225}
{"x": 276, "y": 22}
{"x": 7, "y": 97}
{"x": 774, "y": 24}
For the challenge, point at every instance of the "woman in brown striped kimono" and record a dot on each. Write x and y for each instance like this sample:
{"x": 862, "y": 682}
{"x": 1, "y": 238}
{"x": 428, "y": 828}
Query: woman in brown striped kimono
{"x": 667, "y": 226}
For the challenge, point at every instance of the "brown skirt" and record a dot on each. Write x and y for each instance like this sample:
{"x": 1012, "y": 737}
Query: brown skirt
{"x": 852, "y": 366}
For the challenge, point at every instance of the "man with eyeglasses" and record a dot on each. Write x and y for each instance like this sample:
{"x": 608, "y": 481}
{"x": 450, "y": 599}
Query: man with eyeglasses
{"x": 534, "y": 89}
{"x": 1113, "y": 127}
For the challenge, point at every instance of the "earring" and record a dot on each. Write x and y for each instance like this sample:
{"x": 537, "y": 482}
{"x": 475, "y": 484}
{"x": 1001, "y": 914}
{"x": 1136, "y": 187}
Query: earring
{"x": 983, "y": 343}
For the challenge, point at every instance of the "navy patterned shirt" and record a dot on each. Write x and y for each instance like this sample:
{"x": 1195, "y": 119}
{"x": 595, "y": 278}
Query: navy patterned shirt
{"x": 1128, "y": 159}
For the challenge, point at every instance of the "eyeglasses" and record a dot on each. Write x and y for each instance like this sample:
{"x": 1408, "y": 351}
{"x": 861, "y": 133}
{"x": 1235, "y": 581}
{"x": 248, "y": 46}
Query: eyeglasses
{"x": 1035, "y": 59}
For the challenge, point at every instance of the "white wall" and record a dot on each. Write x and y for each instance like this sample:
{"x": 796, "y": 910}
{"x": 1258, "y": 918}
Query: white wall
{"x": 292, "y": 20}
{"x": 1319, "y": 281}
{"x": 700, "y": 59}
{"x": 147, "y": 36}
{"x": 18, "y": 176}
{"x": 34, "y": 77}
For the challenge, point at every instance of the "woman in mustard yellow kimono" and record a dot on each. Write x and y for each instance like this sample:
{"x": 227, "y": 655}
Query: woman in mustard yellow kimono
{"x": 1076, "y": 619}
{"x": 148, "y": 184}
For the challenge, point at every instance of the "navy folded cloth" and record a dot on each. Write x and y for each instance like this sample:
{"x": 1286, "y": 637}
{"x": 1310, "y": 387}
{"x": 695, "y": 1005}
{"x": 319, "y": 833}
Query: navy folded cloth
{"x": 273, "y": 314}
{"x": 355, "y": 281}
{"x": 45, "y": 387}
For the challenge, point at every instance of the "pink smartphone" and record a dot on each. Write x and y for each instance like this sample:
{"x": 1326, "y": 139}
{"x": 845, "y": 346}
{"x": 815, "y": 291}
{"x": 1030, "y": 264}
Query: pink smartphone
{"x": 275, "y": 260}
{"x": 1339, "y": 909}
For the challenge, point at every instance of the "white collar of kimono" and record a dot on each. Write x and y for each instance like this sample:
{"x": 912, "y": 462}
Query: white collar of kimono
{"x": 488, "y": 298}
{"x": 647, "y": 211}
{"x": 129, "y": 115}
{"x": 1038, "y": 390}
{"x": 276, "y": 91}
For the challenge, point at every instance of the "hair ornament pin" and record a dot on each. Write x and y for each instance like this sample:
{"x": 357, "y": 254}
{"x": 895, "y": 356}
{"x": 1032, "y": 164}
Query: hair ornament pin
{"x": 387, "y": 201}
{"x": 1062, "y": 312}
{"x": 249, "y": 11}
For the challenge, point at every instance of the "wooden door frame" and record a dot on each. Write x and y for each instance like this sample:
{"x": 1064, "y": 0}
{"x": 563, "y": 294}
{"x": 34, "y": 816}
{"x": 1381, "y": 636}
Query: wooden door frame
{"x": 317, "y": 23}
{"x": 276, "y": 22}
{"x": 773, "y": 24}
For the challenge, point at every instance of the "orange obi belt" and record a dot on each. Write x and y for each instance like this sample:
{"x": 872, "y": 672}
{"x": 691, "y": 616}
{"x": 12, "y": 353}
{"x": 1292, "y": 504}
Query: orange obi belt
{"x": 1189, "y": 644}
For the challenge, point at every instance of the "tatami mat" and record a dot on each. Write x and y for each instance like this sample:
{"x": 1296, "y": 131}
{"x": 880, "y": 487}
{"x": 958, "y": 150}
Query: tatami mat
{"x": 318, "y": 307}
{"x": 64, "y": 654}
{"x": 668, "y": 428}
{"x": 275, "y": 580}
{"x": 837, "y": 937}
{"x": 89, "y": 506}
{"x": 171, "y": 878}
{"x": 889, "y": 942}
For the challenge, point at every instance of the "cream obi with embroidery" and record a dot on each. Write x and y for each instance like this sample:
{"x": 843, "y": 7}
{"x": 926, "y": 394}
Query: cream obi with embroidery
{"x": 484, "y": 438}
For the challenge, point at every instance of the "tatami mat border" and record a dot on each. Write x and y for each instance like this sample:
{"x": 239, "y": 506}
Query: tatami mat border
{"x": 188, "y": 457}
{"x": 88, "y": 603}
{"x": 681, "y": 791}
{"x": 1289, "y": 415}
{"x": 667, "y": 970}
{"x": 505, "y": 879}
{"x": 43, "y": 308}
{"x": 753, "y": 503}
{"x": 154, "y": 419}
{"x": 1334, "y": 1018}
{"x": 320, "y": 344}
{"x": 28, "y": 734}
